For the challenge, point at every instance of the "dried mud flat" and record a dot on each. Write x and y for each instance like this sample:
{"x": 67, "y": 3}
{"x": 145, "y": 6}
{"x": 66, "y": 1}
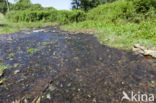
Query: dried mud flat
{"x": 59, "y": 67}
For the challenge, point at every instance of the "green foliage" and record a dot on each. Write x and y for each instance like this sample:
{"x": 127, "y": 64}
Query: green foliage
{"x": 16, "y": 27}
{"x": 25, "y": 5}
{"x": 63, "y": 17}
{"x": 29, "y": 16}
{"x": 87, "y": 4}
{"x": 21, "y": 5}
{"x": 143, "y": 6}
{"x": 3, "y": 6}
{"x": 111, "y": 11}
{"x": 121, "y": 23}
{"x": 49, "y": 8}
{"x": 121, "y": 9}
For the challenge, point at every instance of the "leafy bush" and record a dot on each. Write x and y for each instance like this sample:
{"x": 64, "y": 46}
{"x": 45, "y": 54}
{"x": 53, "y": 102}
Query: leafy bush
{"x": 132, "y": 10}
{"x": 63, "y": 17}
{"x": 143, "y": 6}
{"x": 21, "y": 6}
{"x": 111, "y": 11}
{"x": 29, "y": 16}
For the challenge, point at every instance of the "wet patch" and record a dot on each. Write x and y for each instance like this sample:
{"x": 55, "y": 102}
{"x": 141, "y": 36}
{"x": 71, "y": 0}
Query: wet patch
{"x": 59, "y": 67}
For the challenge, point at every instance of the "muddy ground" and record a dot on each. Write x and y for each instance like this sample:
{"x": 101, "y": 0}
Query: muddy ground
{"x": 53, "y": 66}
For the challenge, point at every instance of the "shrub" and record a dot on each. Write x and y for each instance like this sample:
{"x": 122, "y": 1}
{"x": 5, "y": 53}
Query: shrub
{"x": 63, "y": 16}
{"x": 111, "y": 11}
{"x": 143, "y": 6}
{"x": 32, "y": 16}
{"x": 132, "y": 10}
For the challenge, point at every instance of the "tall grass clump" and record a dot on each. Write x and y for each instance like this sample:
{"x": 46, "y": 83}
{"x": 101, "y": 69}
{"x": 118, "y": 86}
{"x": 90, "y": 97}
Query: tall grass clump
{"x": 31, "y": 16}
{"x": 63, "y": 16}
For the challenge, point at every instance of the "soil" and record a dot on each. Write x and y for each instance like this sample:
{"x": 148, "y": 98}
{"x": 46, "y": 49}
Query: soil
{"x": 60, "y": 67}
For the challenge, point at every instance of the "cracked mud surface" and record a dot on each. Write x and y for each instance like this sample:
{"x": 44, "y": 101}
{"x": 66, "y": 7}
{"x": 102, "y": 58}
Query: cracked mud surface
{"x": 59, "y": 67}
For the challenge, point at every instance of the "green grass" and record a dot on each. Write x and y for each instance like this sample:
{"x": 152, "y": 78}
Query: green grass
{"x": 27, "y": 19}
{"x": 119, "y": 25}
{"x": 16, "y": 27}
{"x": 120, "y": 35}
{"x": 12, "y": 27}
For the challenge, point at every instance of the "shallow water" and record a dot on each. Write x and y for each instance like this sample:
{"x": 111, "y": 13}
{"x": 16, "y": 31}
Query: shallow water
{"x": 70, "y": 68}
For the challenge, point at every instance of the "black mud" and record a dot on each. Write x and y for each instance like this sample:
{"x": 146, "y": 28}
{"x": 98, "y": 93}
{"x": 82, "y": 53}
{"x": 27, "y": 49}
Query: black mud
{"x": 58, "y": 67}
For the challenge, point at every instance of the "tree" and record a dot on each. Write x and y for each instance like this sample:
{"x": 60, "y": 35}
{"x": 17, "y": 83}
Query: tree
{"x": 3, "y": 6}
{"x": 24, "y": 1}
{"x": 87, "y": 4}
{"x": 24, "y": 5}
{"x": 21, "y": 5}
{"x": 7, "y": 3}
{"x": 75, "y": 4}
